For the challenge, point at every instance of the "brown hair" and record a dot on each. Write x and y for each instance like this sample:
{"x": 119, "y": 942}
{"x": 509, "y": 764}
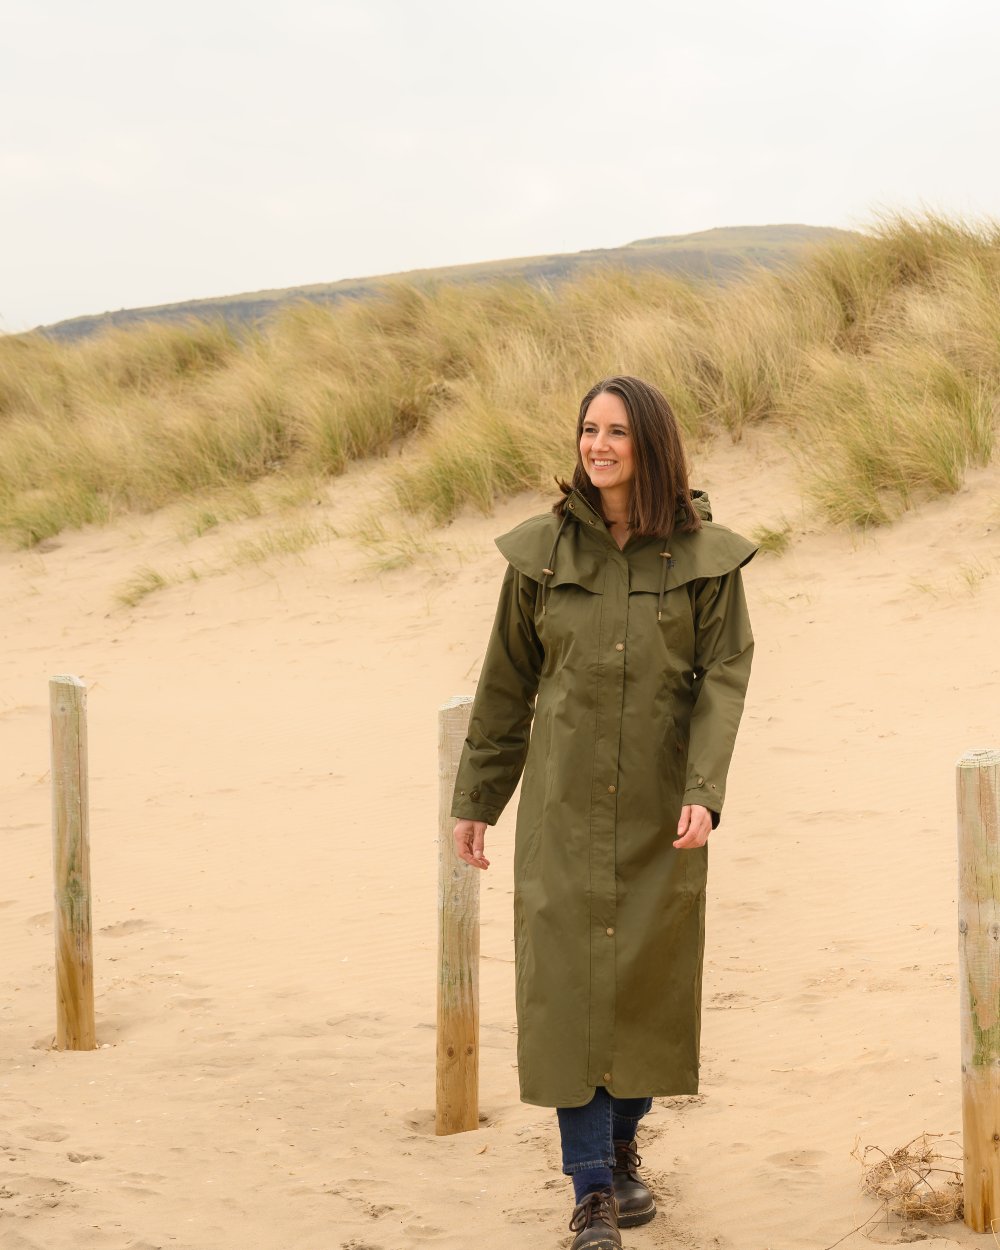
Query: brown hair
{"x": 660, "y": 489}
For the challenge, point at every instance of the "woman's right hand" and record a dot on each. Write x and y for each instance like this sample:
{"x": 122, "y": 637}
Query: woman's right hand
{"x": 469, "y": 836}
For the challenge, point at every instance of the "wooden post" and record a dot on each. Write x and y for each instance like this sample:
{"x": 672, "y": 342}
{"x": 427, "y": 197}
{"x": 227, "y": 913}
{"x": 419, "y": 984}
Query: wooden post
{"x": 458, "y": 944}
{"x": 978, "y": 785}
{"x": 71, "y": 860}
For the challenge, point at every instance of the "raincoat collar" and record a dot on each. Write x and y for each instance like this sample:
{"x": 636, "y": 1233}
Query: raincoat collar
{"x": 577, "y": 505}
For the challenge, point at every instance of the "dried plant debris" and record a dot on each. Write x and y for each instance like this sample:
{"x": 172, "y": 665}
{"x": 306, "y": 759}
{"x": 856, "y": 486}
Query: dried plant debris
{"x": 919, "y": 1181}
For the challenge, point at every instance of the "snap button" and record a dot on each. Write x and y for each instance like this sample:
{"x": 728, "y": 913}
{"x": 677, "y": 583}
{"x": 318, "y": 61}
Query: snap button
{"x": 611, "y": 933}
{"x": 701, "y": 781}
{"x": 619, "y": 646}
{"x": 607, "y": 1076}
{"x": 474, "y": 794}
{"x": 611, "y": 789}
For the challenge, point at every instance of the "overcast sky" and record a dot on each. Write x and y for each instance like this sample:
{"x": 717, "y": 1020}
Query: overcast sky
{"x": 152, "y": 153}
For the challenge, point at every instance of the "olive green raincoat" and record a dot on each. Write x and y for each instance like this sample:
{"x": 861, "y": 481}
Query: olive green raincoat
{"x": 639, "y": 658}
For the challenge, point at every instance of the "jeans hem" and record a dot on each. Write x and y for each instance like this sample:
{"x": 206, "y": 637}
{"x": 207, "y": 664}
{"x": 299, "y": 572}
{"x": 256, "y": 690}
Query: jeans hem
{"x": 593, "y": 1126}
{"x": 571, "y": 1168}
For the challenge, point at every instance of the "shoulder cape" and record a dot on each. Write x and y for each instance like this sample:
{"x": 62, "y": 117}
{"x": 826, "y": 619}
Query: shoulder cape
{"x": 581, "y": 553}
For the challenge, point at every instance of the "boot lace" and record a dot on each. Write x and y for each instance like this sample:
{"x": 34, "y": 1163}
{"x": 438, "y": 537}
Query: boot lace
{"x": 627, "y": 1159}
{"x": 598, "y": 1205}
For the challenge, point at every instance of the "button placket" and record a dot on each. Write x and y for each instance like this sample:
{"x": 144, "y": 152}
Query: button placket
{"x": 603, "y": 829}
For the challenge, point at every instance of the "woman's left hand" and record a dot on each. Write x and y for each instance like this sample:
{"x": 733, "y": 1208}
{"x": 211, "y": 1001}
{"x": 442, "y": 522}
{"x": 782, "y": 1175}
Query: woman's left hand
{"x": 693, "y": 827}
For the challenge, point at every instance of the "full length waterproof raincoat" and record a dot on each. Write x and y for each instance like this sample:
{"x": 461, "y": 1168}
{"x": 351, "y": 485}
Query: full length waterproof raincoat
{"x": 639, "y": 658}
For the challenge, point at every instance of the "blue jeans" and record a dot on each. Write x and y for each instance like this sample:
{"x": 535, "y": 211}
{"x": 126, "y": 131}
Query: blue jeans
{"x": 589, "y": 1132}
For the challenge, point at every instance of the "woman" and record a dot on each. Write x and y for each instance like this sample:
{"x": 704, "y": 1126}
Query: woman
{"x": 623, "y": 611}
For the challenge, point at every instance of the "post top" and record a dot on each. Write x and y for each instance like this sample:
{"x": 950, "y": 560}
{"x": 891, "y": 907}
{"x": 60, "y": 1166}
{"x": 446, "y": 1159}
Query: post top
{"x": 980, "y": 757}
{"x": 456, "y": 700}
{"x": 67, "y": 679}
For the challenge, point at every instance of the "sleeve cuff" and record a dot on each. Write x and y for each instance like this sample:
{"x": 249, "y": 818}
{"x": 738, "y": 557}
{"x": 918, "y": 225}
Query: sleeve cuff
{"x": 471, "y": 806}
{"x": 706, "y": 794}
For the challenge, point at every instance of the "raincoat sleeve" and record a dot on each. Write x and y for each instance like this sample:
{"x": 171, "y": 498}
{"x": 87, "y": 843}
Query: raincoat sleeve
{"x": 494, "y": 752}
{"x": 723, "y": 648}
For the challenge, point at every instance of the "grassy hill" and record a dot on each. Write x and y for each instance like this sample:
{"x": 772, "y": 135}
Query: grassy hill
{"x": 877, "y": 356}
{"x": 718, "y": 254}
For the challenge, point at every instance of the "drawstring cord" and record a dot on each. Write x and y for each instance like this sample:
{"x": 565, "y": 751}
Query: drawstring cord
{"x": 549, "y": 570}
{"x": 668, "y": 563}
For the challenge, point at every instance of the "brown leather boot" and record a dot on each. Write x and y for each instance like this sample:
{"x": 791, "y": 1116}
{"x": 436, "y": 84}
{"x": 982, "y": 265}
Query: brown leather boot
{"x": 635, "y": 1202}
{"x": 595, "y": 1222}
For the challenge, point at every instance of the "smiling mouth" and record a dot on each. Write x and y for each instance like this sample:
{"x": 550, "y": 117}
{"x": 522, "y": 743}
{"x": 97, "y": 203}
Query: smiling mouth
{"x": 603, "y": 464}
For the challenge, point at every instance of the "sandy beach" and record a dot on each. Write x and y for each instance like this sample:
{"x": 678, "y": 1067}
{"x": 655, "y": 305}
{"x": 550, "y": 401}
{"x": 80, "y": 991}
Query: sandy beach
{"x": 264, "y": 825}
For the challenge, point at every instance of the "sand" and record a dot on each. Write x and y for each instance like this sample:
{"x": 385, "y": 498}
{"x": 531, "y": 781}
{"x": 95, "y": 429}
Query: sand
{"x": 264, "y": 799}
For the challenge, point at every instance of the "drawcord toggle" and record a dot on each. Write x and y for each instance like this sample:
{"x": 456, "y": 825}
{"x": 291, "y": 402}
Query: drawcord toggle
{"x": 668, "y": 563}
{"x": 549, "y": 570}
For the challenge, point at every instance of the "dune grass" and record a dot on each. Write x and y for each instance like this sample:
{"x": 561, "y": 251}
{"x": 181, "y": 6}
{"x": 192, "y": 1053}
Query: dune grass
{"x": 144, "y": 581}
{"x": 880, "y": 359}
{"x": 288, "y": 540}
{"x": 773, "y": 539}
{"x": 266, "y": 546}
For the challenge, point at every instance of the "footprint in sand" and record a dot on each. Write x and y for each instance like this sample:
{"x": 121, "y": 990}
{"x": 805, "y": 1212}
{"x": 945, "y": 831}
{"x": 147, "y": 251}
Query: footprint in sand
{"x": 144, "y": 1183}
{"x": 680, "y": 1102}
{"x": 424, "y": 1230}
{"x": 357, "y": 1023}
{"x": 798, "y": 1160}
{"x": 36, "y": 1192}
{"x": 45, "y": 1132}
{"x": 122, "y": 928}
{"x": 421, "y": 1122}
{"x": 731, "y": 1000}
{"x": 189, "y": 1003}
{"x": 526, "y": 1215}
{"x": 376, "y": 1210}
{"x": 742, "y": 904}
{"x": 303, "y": 1028}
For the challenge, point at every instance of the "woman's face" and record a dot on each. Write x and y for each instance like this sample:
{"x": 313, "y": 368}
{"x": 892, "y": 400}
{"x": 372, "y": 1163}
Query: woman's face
{"x": 606, "y": 442}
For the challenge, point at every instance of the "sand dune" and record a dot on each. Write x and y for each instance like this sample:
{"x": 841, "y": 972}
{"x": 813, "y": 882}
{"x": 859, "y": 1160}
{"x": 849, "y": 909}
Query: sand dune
{"x": 264, "y": 795}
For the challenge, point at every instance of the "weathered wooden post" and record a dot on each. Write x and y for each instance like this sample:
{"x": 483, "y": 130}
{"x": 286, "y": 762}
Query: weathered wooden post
{"x": 71, "y": 861}
{"x": 458, "y": 944}
{"x": 978, "y": 785}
